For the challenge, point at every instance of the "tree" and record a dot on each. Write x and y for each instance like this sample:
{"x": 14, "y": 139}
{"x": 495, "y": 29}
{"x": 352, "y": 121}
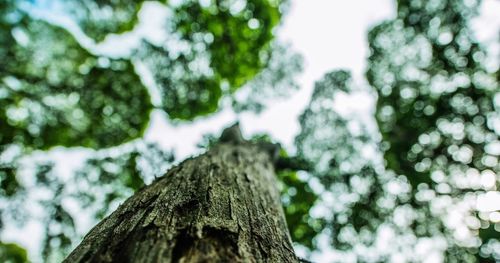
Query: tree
{"x": 58, "y": 91}
{"x": 221, "y": 206}
{"x": 414, "y": 174}
{"x": 436, "y": 114}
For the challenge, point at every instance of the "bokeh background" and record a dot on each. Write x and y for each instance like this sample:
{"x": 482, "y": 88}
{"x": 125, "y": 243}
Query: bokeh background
{"x": 396, "y": 103}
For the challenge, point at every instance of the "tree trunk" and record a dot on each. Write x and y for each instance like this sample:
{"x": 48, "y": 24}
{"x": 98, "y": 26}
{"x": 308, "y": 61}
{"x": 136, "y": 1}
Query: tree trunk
{"x": 222, "y": 206}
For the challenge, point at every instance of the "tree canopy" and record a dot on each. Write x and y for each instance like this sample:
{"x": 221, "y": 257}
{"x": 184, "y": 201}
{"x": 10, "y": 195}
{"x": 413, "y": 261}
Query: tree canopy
{"x": 437, "y": 114}
{"x": 411, "y": 175}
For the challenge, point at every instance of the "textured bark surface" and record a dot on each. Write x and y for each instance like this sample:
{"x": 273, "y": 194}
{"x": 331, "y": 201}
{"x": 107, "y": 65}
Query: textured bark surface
{"x": 222, "y": 206}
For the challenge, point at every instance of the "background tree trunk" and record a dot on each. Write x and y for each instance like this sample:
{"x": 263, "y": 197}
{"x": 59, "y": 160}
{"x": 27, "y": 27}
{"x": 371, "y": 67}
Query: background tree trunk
{"x": 222, "y": 206}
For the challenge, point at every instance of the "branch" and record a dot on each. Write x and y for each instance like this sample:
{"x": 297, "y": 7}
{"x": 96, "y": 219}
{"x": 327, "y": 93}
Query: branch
{"x": 232, "y": 135}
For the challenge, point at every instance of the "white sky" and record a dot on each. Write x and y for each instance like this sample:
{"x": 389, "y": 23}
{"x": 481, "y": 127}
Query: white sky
{"x": 330, "y": 34}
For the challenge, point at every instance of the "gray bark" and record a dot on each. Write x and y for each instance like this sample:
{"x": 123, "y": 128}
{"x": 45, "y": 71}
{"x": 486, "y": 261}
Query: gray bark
{"x": 222, "y": 206}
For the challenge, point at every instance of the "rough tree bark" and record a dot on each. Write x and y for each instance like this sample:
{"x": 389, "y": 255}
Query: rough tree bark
{"x": 222, "y": 206}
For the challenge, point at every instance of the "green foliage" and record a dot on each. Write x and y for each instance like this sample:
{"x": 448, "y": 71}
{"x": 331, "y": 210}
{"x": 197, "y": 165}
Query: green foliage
{"x": 59, "y": 224}
{"x": 8, "y": 181}
{"x": 63, "y": 95}
{"x": 214, "y": 49}
{"x": 54, "y": 91}
{"x": 298, "y": 198}
{"x": 98, "y": 18}
{"x": 436, "y": 112}
{"x": 436, "y": 108}
{"x": 100, "y": 102}
{"x": 442, "y": 85}
{"x": 113, "y": 178}
{"x": 328, "y": 139}
{"x": 367, "y": 200}
{"x": 275, "y": 81}
{"x": 185, "y": 93}
{"x": 354, "y": 185}
{"x": 12, "y": 253}
{"x": 238, "y": 37}
{"x": 96, "y": 188}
